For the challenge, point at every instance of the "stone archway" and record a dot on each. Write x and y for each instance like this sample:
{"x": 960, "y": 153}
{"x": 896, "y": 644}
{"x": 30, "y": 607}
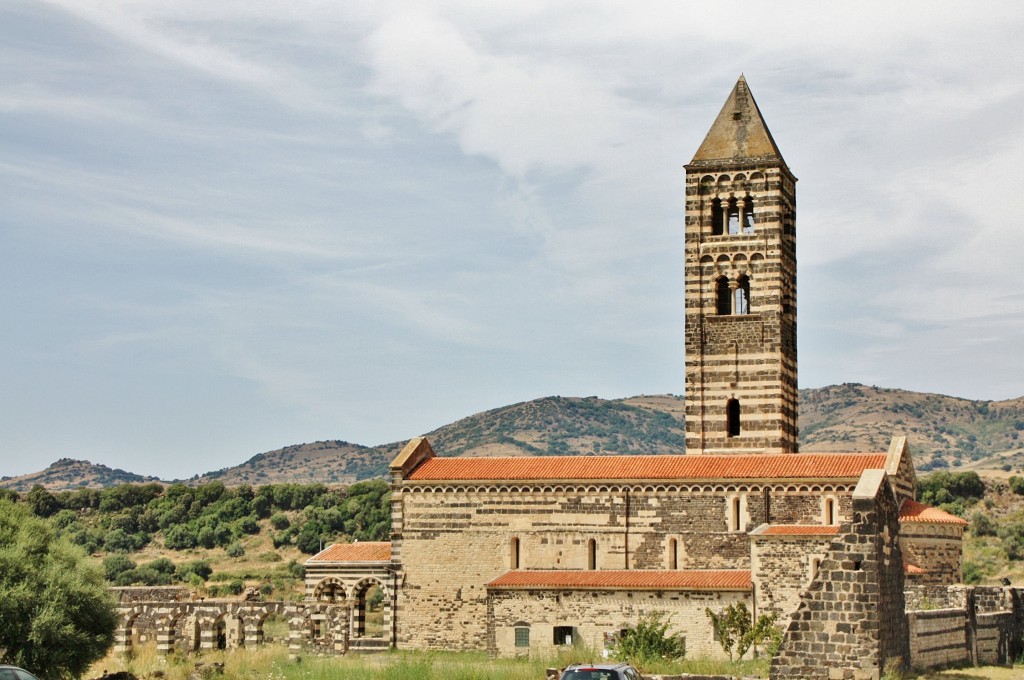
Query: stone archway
{"x": 331, "y": 589}
{"x": 371, "y": 610}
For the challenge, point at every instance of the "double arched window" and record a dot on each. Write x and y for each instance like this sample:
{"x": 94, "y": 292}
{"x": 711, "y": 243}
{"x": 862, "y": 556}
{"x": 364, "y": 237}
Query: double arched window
{"x": 730, "y": 300}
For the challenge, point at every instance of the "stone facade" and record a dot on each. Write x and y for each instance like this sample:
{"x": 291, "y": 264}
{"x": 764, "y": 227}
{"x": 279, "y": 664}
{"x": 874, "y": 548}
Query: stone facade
{"x": 595, "y": 617}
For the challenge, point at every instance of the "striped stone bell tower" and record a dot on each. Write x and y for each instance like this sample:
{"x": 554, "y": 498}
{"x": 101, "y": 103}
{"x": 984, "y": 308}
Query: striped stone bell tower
{"x": 741, "y": 378}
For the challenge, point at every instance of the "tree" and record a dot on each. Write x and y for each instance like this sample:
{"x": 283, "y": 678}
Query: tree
{"x": 58, "y": 616}
{"x": 735, "y": 627}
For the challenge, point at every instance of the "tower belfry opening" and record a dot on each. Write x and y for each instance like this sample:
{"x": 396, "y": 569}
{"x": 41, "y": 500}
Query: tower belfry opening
{"x": 740, "y": 287}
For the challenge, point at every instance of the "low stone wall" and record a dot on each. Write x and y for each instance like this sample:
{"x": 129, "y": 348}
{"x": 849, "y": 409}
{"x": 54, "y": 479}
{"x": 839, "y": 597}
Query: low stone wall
{"x": 131, "y": 595}
{"x": 994, "y": 638}
{"x": 983, "y": 626}
{"x": 938, "y": 637}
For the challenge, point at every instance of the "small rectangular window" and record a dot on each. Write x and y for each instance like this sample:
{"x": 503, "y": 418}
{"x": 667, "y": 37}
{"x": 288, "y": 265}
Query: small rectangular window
{"x": 522, "y": 637}
{"x": 563, "y": 635}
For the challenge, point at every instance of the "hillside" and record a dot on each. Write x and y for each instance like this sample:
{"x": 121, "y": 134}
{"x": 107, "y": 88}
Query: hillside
{"x": 67, "y": 474}
{"x": 943, "y": 431}
{"x": 330, "y": 462}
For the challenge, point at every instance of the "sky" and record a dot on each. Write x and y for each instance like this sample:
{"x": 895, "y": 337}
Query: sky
{"x": 227, "y": 227}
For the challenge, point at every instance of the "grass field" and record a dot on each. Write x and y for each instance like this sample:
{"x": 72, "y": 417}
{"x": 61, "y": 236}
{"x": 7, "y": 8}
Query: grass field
{"x": 271, "y": 662}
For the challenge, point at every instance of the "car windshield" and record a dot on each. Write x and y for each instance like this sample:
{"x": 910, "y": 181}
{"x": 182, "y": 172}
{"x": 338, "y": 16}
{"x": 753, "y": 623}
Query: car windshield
{"x": 591, "y": 674}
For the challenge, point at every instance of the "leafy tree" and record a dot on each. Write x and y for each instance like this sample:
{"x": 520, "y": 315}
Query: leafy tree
{"x": 235, "y": 550}
{"x": 735, "y": 627}
{"x": 953, "y": 491}
{"x": 982, "y": 525}
{"x": 58, "y": 616}
{"x": 1012, "y": 535}
{"x": 280, "y": 521}
{"x": 1017, "y": 485}
{"x": 650, "y": 641}
{"x": 41, "y": 502}
{"x": 200, "y": 568}
{"x": 115, "y": 565}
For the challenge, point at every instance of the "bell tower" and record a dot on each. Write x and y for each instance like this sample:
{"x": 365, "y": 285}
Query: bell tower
{"x": 741, "y": 371}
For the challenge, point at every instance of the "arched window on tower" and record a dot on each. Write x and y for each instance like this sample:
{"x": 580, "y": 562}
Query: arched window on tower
{"x": 734, "y": 216}
{"x": 732, "y": 418}
{"x": 748, "y": 216}
{"x": 723, "y": 305}
{"x": 741, "y": 296}
{"x": 717, "y": 218}
{"x": 591, "y": 554}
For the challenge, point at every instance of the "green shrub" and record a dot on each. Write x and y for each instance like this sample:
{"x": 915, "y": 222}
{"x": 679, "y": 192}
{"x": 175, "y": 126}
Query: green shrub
{"x": 650, "y": 640}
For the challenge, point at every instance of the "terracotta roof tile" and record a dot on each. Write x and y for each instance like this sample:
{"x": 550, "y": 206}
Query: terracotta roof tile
{"x": 912, "y": 511}
{"x": 691, "y": 579}
{"x": 801, "y": 530}
{"x": 354, "y": 552}
{"x": 759, "y": 466}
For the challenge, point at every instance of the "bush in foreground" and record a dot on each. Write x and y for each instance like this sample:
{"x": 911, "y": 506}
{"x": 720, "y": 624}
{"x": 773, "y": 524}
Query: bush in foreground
{"x": 58, "y": 616}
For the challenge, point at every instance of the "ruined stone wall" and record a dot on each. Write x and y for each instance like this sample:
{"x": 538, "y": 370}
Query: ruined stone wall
{"x": 597, "y": 615}
{"x": 129, "y": 595}
{"x": 938, "y": 637}
{"x": 781, "y": 569}
{"x": 852, "y": 620}
{"x": 936, "y": 548}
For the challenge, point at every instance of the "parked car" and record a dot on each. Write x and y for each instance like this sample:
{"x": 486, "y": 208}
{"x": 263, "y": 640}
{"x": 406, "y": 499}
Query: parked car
{"x": 15, "y": 673}
{"x": 599, "y": 671}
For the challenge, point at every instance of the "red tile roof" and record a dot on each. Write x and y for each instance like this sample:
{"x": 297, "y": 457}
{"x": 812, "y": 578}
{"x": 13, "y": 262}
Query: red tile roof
{"x": 354, "y": 552}
{"x": 801, "y": 530}
{"x": 691, "y": 579}
{"x": 912, "y": 511}
{"x": 693, "y": 467}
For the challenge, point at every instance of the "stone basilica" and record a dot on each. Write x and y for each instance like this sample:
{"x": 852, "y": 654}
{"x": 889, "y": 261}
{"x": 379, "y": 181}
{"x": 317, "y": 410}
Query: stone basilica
{"x": 520, "y": 555}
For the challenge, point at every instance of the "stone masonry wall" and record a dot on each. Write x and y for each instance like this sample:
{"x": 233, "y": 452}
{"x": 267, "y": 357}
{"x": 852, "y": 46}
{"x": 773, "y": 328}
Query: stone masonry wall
{"x": 454, "y": 540}
{"x": 938, "y": 637}
{"x": 781, "y": 570}
{"x": 851, "y": 621}
{"x": 936, "y": 548}
{"x": 599, "y": 614}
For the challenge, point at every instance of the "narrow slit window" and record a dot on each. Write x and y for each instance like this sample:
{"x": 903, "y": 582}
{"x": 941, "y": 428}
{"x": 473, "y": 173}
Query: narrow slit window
{"x": 723, "y": 304}
{"x": 673, "y": 554}
{"x": 741, "y": 296}
{"x": 734, "y": 217}
{"x": 734, "y": 523}
{"x": 830, "y": 511}
{"x": 717, "y": 218}
{"x": 591, "y": 554}
{"x": 513, "y": 551}
{"x": 732, "y": 417}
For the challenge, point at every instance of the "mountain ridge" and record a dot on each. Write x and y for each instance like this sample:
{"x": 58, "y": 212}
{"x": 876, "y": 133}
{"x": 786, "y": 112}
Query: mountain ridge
{"x": 944, "y": 431}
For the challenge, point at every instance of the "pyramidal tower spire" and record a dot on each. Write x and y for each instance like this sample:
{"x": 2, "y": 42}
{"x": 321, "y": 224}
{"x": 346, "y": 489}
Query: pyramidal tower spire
{"x": 739, "y": 132}
{"x": 741, "y": 377}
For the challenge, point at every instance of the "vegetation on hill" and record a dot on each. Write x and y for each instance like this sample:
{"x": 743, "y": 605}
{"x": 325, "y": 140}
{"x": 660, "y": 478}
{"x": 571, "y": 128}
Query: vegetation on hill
{"x": 185, "y": 522}
{"x": 994, "y": 541}
{"x": 943, "y": 431}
